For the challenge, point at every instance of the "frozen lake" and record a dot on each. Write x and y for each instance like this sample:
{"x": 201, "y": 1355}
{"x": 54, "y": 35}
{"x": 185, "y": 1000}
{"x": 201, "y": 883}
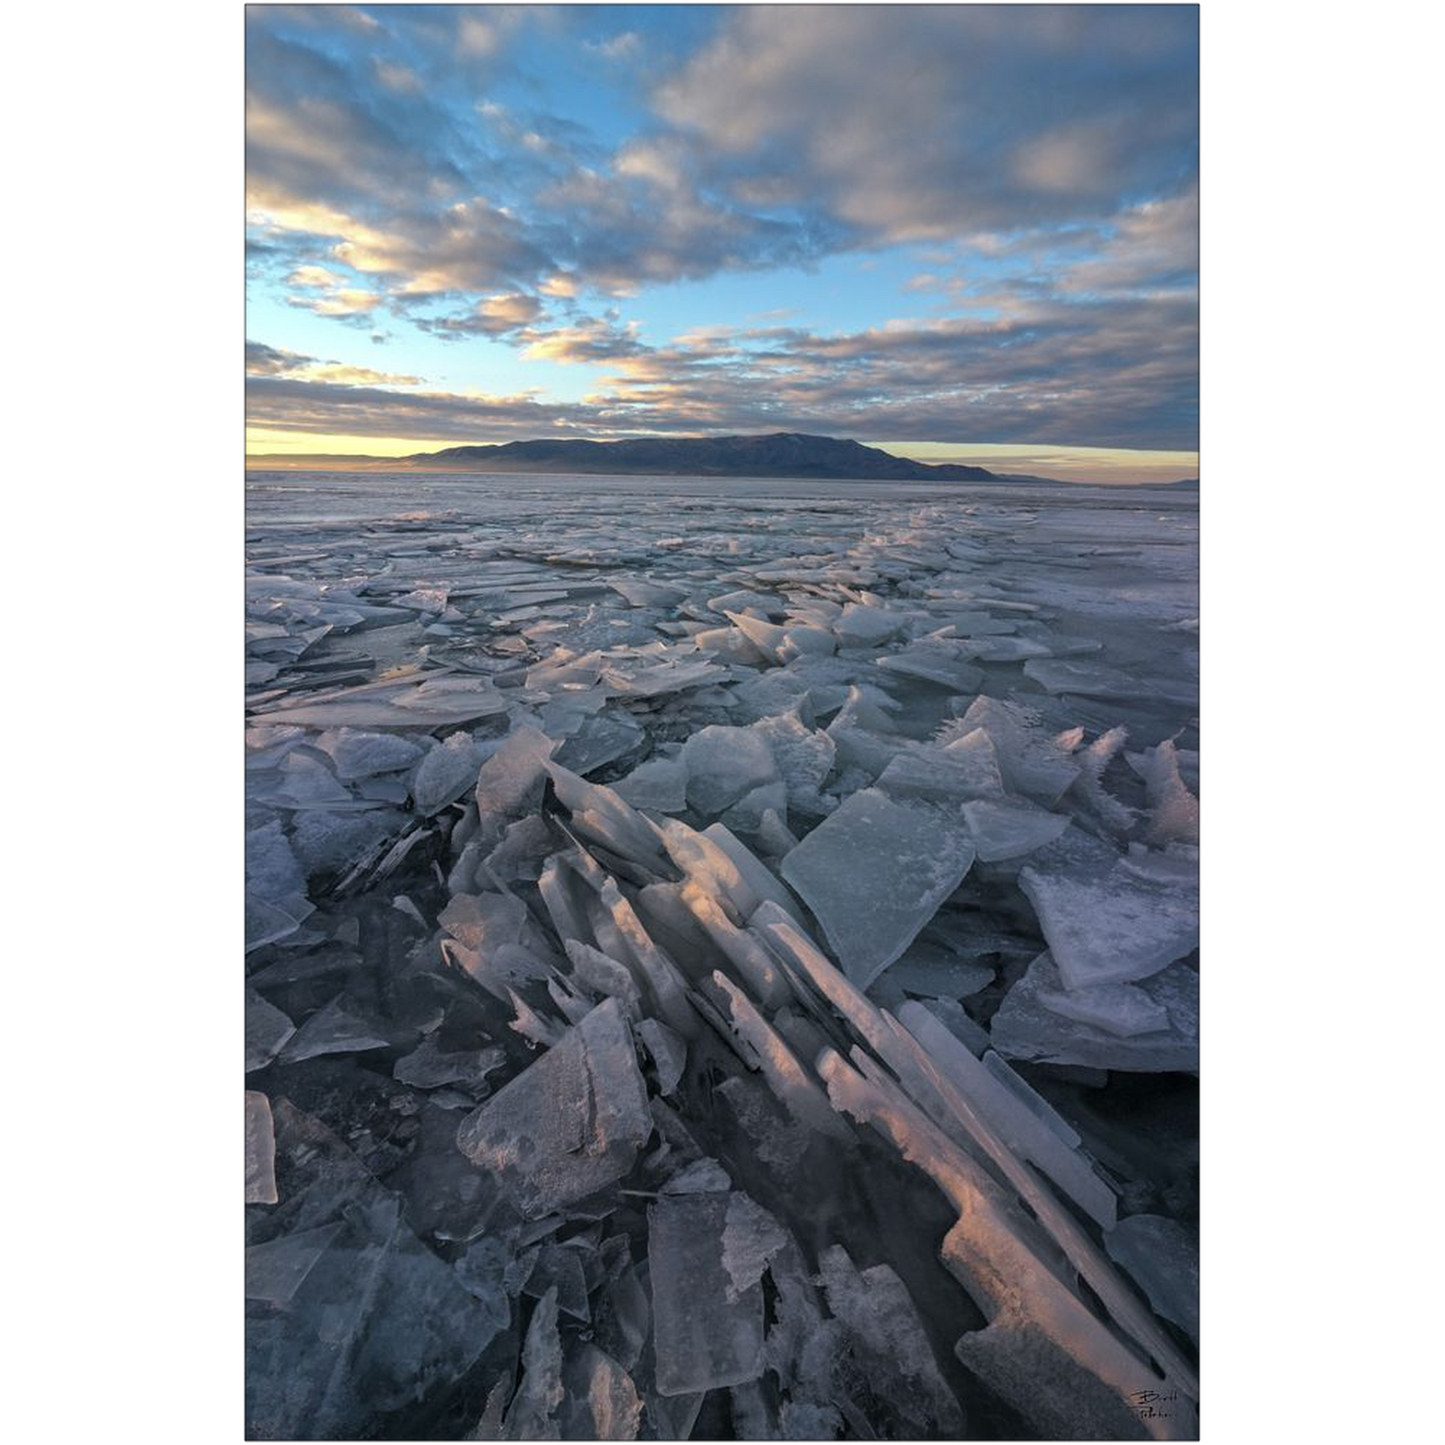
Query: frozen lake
{"x": 712, "y": 944}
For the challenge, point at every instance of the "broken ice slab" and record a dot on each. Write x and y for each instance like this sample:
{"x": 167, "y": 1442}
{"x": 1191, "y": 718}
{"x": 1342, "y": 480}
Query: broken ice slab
{"x": 751, "y": 1237}
{"x": 445, "y": 773}
{"x": 605, "y": 976}
{"x": 1123, "y": 1009}
{"x": 641, "y": 592}
{"x": 307, "y": 781}
{"x": 484, "y": 921}
{"x": 954, "y": 774}
{"x": 1044, "y": 1350}
{"x": 511, "y": 781}
{"x": 890, "y": 1344}
{"x": 1114, "y": 817}
{"x": 802, "y": 755}
{"x": 597, "y": 741}
{"x": 273, "y": 872}
{"x": 1114, "y": 927}
{"x": 874, "y": 872}
{"x": 1058, "y": 675}
{"x": 668, "y": 1051}
{"x": 1030, "y": 761}
{"x": 941, "y": 665}
{"x": 1173, "y": 809}
{"x": 723, "y": 764}
{"x": 430, "y": 1066}
{"x": 267, "y": 1029}
{"x": 1162, "y": 1257}
{"x": 792, "y": 1085}
{"x": 1023, "y": 1131}
{"x": 659, "y": 785}
{"x": 1003, "y": 830}
{"x": 600, "y": 1400}
{"x": 702, "y": 1176}
{"x": 356, "y": 753}
{"x": 422, "y": 701}
{"x": 276, "y": 1269}
{"x": 569, "y": 1124}
{"x": 703, "y": 1337}
{"x": 1026, "y": 1028}
{"x": 599, "y": 814}
{"x": 863, "y": 626}
{"x": 334, "y": 1029}
{"x": 333, "y": 842}
{"x": 260, "y": 1150}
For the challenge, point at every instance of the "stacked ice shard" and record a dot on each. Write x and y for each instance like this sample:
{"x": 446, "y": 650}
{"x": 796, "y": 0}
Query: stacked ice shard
{"x": 721, "y": 961}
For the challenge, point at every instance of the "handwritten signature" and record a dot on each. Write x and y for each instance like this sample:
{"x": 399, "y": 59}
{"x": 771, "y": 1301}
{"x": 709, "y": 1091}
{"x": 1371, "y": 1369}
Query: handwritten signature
{"x": 1153, "y": 1404}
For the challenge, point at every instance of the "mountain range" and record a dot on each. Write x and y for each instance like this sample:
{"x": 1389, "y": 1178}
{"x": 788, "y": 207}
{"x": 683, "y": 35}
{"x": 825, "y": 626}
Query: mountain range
{"x": 779, "y": 454}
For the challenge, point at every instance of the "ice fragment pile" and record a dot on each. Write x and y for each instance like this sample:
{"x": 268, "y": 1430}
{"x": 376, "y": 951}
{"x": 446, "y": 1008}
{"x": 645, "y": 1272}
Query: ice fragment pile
{"x": 721, "y": 960}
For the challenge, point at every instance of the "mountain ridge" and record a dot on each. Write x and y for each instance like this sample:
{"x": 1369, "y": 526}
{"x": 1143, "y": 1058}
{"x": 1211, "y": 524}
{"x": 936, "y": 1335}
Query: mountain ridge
{"x": 772, "y": 454}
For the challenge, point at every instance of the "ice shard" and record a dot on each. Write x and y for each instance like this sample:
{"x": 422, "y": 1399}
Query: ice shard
{"x": 569, "y": 1124}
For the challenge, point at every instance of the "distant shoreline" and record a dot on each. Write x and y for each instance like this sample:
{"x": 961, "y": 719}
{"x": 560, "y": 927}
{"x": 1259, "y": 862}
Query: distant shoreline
{"x": 399, "y": 467}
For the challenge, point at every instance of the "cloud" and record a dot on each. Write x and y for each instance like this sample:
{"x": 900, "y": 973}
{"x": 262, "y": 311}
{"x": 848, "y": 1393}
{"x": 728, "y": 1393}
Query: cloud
{"x": 956, "y": 120}
{"x": 1040, "y": 162}
{"x": 263, "y": 360}
{"x": 1117, "y": 372}
{"x": 492, "y": 316}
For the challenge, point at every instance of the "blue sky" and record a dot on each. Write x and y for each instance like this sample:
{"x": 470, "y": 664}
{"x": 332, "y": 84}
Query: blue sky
{"x": 954, "y": 230}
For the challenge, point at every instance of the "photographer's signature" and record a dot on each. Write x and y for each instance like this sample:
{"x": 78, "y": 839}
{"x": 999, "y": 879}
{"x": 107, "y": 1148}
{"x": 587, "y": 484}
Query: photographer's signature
{"x": 1154, "y": 1404}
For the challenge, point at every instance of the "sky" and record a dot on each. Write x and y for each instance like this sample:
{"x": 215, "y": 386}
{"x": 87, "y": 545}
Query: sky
{"x": 956, "y": 232}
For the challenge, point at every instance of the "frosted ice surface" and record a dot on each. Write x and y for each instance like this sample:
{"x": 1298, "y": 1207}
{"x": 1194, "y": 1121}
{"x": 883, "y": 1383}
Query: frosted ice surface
{"x": 807, "y": 642}
{"x": 1029, "y": 760}
{"x": 751, "y": 1237}
{"x": 1162, "y": 1257}
{"x": 704, "y": 1337}
{"x": 569, "y": 1124}
{"x": 260, "y": 1150}
{"x": 328, "y": 842}
{"x": 803, "y": 756}
{"x": 1026, "y": 1028}
{"x": 977, "y": 758}
{"x": 1111, "y": 928}
{"x": 874, "y": 872}
{"x": 358, "y": 754}
{"x": 1174, "y": 810}
{"x": 746, "y": 815}
{"x": 272, "y": 869}
{"x": 766, "y": 637}
{"x": 1117, "y": 1008}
